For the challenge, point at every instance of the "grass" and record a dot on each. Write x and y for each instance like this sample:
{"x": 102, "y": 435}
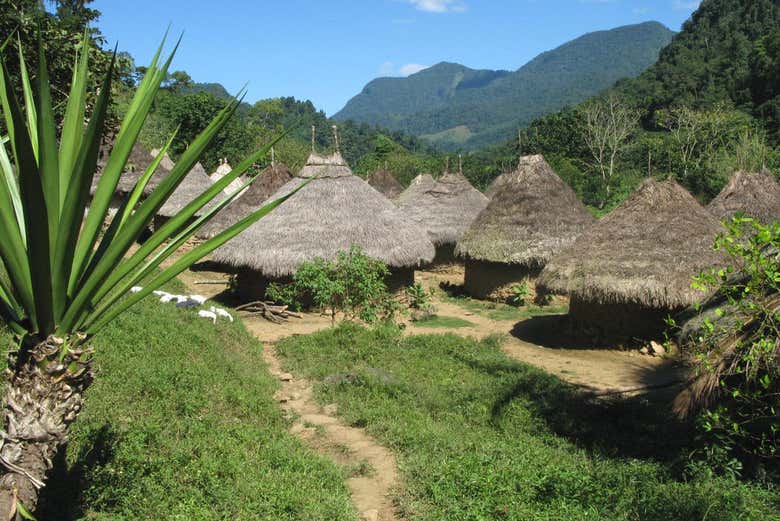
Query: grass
{"x": 180, "y": 424}
{"x": 502, "y": 312}
{"x": 443, "y": 322}
{"x": 479, "y": 436}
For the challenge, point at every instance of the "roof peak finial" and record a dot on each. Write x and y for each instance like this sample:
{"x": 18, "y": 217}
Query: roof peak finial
{"x": 336, "y": 138}
{"x": 273, "y": 158}
{"x": 447, "y": 164}
{"x": 313, "y": 132}
{"x": 460, "y": 163}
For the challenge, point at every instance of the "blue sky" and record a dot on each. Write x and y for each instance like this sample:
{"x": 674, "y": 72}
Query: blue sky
{"x": 326, "y": 50}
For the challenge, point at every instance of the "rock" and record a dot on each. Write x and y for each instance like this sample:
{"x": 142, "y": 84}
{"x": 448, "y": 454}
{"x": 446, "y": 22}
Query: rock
{"x": 657, "y": 349}
{"x": 330, "y": 409}
{"x": 295, "y": 396}
{"x": 370, "y": 515}
{"x": 281, "y": 397}
{"x": 644, "y": 351}
{"x": 285, "y": 377}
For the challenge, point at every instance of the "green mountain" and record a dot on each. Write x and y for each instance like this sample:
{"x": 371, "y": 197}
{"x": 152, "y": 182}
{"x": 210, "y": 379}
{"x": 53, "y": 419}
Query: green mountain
{"x": 455, "y": 106}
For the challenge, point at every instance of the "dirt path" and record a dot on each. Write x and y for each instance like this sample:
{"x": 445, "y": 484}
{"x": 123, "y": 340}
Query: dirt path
{"x": 371, "y": 468}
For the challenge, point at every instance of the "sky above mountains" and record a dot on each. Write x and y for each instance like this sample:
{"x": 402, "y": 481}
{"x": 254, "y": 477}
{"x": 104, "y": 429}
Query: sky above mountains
{"x": 327, "y": 50}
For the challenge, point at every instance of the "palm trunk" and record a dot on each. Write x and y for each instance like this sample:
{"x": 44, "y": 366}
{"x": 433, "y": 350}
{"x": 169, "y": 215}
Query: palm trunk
{"x": 43, "y": 396}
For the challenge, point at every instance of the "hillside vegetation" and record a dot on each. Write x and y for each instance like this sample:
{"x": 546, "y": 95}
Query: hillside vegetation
{"x": 708, "y": 107}
{"x": 493, "y": 104}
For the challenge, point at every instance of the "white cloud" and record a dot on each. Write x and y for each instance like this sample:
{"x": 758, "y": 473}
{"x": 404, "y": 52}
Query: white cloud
{"x": 389, "y": 69}
{"x": 411, "y": 68}
{"x": 686, "y": 4}
{"x": 439, "y": 6}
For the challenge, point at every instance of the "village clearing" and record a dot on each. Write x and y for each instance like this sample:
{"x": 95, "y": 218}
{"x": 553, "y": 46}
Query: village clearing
{"x": 369, "y": 467}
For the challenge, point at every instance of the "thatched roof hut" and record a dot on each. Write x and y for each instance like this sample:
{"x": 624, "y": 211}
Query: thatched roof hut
{"x": 270, "y": 181}
{"x": 532, "y": 217}
{"x": 631, "y": 269}
{"x": 419, "y": 184}
{"x": 330, "y": 214}
{"x": 222, "y": 170}
{"x": 384, "y": 182}
{"x": 139, "y": 160}
{"x": 445, "y": 209}
{"x": 756, "y": 195}
{"x": 194, "y": 183}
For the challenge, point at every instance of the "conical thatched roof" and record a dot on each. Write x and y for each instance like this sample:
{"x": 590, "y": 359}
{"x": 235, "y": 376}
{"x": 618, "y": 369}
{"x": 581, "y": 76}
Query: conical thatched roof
{"x": 139, "y": 160}
{"x": 756, "y": 195}
{"x": 222, "y": 170}
{"x": 419, "y": 185}
{"x": 194, "y": 183}
{"x": 384, "y": 182}
{"x": 270, "y": 181}
{"x": 644, "y": 252}
{"x": 445, "y": 209}
{"x": 531, "y": 218}
{"x": 495, "y": 186}
{"x": 330, "y": 214}
{"x": 166, "y": 162}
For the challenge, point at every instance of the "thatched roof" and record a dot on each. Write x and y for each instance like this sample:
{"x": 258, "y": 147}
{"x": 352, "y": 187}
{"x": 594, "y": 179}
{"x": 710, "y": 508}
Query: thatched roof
{"x": 531, "y": 218}
{"x": 166, "y": 162}
{"x": 194, "y": 183}
{"x": 495, "y": 186}
{"x": 270, "y": 181}
{"x": 756, "y": 195}
{"x": 384, "y": 182}
{"x": 330, "y": 214}
{"x": 644, "y": 252}
{"x": 446, "y": 208}
{"x": 222, "y": 170}
{"x": 139, "y": 160}
{"x": 419, "y": 185}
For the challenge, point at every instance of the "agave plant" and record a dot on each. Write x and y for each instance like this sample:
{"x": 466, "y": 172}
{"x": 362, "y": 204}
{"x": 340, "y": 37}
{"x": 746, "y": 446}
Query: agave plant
{"x": 63, "y": 276}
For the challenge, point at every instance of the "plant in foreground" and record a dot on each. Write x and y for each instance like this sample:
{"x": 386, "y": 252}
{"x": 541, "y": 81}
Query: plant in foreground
{"x": 735, "y": 351}
{"x": 62, "y": 278}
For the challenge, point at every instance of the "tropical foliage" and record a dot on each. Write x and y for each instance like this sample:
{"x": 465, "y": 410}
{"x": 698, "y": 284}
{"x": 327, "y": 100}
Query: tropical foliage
{"x": 67, "y": 276}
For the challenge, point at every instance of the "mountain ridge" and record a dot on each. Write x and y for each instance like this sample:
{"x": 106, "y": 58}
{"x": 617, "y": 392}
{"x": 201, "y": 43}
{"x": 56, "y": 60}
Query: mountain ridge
{"x": 492, "y": 104}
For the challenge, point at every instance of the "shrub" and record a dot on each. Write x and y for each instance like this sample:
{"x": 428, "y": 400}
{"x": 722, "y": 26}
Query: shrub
{"x": 736, "y": 355}
{"x": 353, "y": 284}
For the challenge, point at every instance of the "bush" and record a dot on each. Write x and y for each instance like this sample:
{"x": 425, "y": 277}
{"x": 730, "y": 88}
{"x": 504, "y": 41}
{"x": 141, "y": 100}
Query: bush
{"x": 736, "y": 354}
{"x": 353, "y": 284}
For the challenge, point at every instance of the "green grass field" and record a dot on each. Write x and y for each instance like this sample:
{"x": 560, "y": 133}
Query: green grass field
{"x": 481, "y": 437}
{"x": 180, "y": 424}
{"x": 435, "y": 321}
{"x": 502, "y": 312}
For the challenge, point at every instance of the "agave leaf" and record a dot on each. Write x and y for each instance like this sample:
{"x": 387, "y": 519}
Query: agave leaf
{"x": 170, "y": 228}
{"x": 48, "y": 155}
{"x": 34, "y": 203}
{"x": 73, "y": 124}
{"x": 77, "y": 196}
{"x": 99, "y": 320}
{"x": 29, "y": 102}
{"x": 9, "y": 178}
{"x": 131, "y": 127}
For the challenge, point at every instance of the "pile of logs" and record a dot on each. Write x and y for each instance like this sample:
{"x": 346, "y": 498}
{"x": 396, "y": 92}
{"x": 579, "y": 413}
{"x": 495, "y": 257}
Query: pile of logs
{"x": 269, "y": 311}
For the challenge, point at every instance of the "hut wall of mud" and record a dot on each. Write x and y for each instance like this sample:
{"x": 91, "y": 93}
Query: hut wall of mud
{"x": 494, "y": 280}
{"x": 445, "y": 259}
{"x": 625, "y": 323}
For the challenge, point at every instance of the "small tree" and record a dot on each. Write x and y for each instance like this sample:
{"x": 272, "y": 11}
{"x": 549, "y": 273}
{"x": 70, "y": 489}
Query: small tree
{"x": 352, "y": 284}
{"x": 735, "y": 351}
{"x": 609, "y": 123}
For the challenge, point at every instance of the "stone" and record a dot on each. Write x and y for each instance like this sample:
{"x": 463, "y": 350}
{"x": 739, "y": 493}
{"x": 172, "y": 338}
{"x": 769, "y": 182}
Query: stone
{"x": 285, "y": 377}
{"x": 295, "y": 396}
{"x": 370, "y": 515}
{"x": 330, "y": 409}
{"x": 644, "y": 351}
{"x": 657, "y": 349}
